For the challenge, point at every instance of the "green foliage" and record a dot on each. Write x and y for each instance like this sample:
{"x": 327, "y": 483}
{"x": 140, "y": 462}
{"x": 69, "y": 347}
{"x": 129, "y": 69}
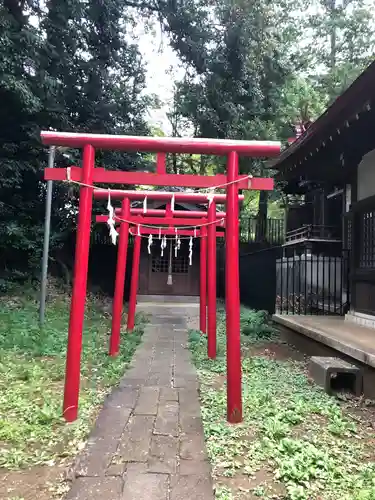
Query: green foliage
{"x": 303, "y": 441}
{"x": 244, "y": 73}
{"x": 32, "y": 365}
{"x": 259, "y": 76}
{"x": 247, "y": 62}
{"x": 345, "y": 43}
{"x": 256, "y": 69}
{"x": 300, "y": 101}
{"x": 255, "y": 325}
{"x": 66, "y": 66}
{"x": 253, "y": 69}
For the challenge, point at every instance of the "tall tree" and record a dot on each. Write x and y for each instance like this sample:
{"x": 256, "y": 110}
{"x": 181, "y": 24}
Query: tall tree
{"x": 344, "y": 42}
{"x": 67, "y": 66}
{"x": 19, "y": 148}
{"x": 247, "y": 62}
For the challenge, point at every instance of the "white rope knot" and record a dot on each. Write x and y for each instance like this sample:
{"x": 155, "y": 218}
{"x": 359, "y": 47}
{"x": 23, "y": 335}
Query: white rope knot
{"x": 149, "y": 244}
{"x": 210, "y": 196}
{"x": 249, "y": 177}
{"x": 139, "y": 230}
{"x": 195, "y": 232}
{"x": 191, "y": 251}
{"x": 68, "y": 174}
{"x": 111, "y": 220}
{"x": 145, "y": 205}
{"x": 172, "y": 203}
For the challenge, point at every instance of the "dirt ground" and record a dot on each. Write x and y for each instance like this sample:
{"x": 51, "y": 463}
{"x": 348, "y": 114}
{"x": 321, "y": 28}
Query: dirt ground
{"x": 41, "y": 483}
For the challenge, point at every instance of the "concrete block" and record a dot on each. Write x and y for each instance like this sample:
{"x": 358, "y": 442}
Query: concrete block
{"x": 334, "y": 374}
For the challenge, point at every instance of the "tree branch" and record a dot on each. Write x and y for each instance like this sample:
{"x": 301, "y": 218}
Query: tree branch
{"x": 141, "y": 5}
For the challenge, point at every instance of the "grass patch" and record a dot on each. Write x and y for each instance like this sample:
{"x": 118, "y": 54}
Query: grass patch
{"x": 295, "y": 443}
{"x": 32, "y": 366}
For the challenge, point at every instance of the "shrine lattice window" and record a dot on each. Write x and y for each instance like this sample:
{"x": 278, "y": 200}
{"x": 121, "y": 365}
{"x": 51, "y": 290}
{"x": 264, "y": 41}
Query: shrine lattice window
{"x": 180, "y": 264}
{"x": 160, "y": 264}
{"x": 367, "y": 241}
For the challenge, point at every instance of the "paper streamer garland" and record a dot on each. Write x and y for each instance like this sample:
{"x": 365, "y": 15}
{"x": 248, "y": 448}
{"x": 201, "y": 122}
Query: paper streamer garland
{"x": 149, "y": 244}
{"x": 163, "y": 245}
{"x": 191, "y": 251}
{"x": 111, "y": 220}
{"x": 177, "y": 245}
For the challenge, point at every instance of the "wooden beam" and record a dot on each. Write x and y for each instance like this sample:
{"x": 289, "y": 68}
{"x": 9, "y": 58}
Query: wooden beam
{"x": 179, "y": 145}
{"x": 161, "y": 221}
{"x": 150, "y": 179}
{"x": 156, "y": 212}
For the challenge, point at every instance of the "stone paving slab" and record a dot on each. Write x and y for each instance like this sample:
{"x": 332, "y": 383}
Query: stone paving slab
{"x": 88, "y": 488}
{"x": 148, "y": 441}
{"x": 148, "y": 401}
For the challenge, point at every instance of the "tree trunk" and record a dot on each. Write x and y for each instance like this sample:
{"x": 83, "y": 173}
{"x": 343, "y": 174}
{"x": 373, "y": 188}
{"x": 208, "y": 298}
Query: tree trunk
{"x": 333, "y": 34}
{"x": 174, "y": 163}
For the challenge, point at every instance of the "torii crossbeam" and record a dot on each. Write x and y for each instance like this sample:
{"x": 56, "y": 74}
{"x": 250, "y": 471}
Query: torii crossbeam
{"x": 231, "y": 182}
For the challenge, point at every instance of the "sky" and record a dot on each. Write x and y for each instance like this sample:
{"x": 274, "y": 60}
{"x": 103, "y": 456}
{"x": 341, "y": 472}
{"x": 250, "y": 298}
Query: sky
{"x": 159, "y": 58}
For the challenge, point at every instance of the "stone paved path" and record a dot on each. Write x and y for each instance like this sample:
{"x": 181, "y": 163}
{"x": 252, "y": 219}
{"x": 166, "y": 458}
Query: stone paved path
{"x": 148, "y": 440}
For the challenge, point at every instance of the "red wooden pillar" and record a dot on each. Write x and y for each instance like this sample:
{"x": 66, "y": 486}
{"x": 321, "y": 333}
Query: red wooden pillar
{"x": 134, "y": 282}
{"x": 160, "y": 163}
{"x": 232, "y": 294}
{"x": 211, "y": 281}
{"x": 118, "y": 299}
{"x": 77, "y": 308}
{"x": 203, "y": 281}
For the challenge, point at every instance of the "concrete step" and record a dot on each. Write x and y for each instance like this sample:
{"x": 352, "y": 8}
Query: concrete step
{"x": 167, "y": 299}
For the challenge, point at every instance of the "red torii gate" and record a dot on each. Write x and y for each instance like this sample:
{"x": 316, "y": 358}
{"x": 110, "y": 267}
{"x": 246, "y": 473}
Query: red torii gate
{"x": 88, "y": 175}
{"x": 208, "y": 303}
{"x": 200, "y": 230}
{"x": 209, "y": 246}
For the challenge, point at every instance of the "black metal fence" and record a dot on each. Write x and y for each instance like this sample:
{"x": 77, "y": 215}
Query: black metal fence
{"x": 257, "y": 276}
{"x": 257, "y": 230}
{"x": 312, "y": 284}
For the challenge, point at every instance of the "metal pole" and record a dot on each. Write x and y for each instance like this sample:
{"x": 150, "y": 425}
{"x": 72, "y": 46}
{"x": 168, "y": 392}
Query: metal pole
{"x": 47, "y": 229}
{"x": 118, "y": 299}
{"x": 77, "y": 308}
{"x": 232, "y": 295}
{"x": 211, "y": 282}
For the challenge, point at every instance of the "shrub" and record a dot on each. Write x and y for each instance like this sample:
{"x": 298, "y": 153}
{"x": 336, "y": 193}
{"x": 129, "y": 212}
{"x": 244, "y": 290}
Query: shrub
{"x": 255, "y": 324}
